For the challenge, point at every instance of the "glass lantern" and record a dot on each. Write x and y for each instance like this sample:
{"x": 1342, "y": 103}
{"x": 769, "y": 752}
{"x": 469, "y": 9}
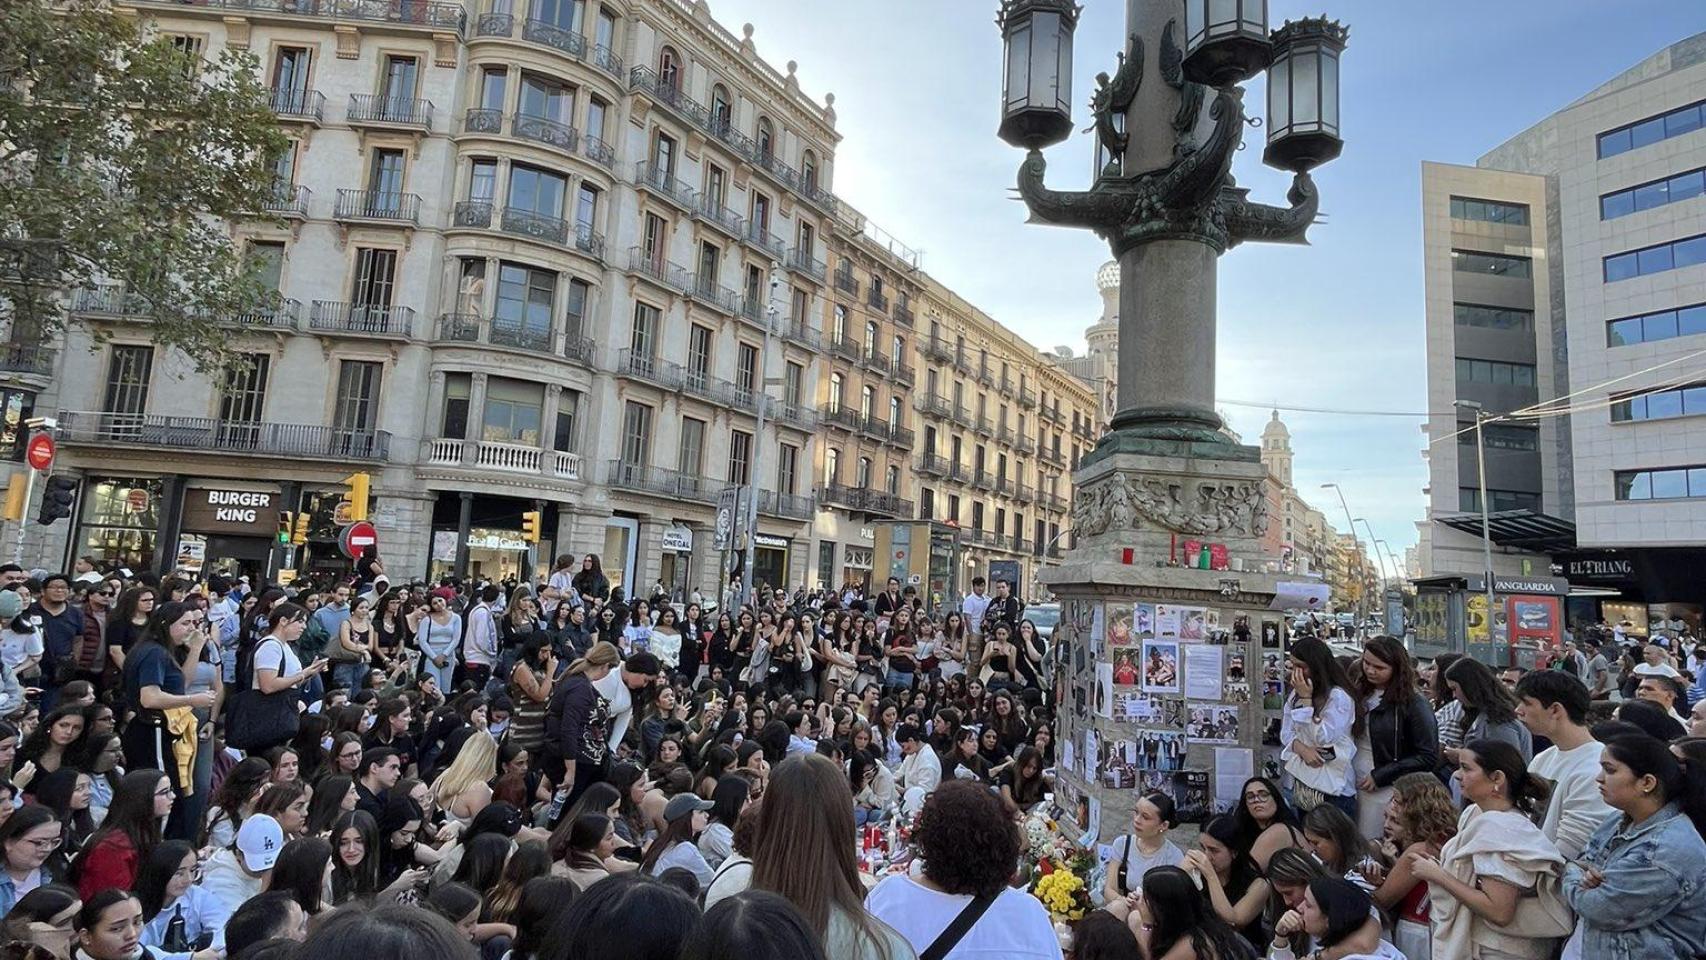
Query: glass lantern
{"x": 1303, "y": 95}
{"x": 1036, "y": 96}
{"x": 1226, "y": 41}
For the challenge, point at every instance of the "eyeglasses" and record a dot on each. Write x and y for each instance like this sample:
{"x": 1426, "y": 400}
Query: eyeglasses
{"x": 45, "y": 844}
{"x": 192, "y": 872}
{"x": 1257, "y": 797}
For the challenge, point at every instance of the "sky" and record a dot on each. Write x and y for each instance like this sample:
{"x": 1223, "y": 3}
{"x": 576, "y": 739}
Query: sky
{"x": 1337, "y": 324}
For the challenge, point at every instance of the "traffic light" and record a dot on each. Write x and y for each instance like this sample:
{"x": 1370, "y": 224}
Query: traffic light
{"x": 56, "y": 500}
{"x": 16, "y": 491}
{"x": 285, "y": 518}
{"x": 356, "y": 494}
{"x": 531, "y": 523}
{"x": 299, "y": 532}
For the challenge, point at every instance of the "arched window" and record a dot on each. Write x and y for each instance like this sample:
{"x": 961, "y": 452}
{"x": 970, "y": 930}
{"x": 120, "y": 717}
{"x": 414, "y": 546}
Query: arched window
{"x": 766, "y": 138}
{"x": 669, "y": 69}
{"x": 722, "y": 108}
{"x": 808, "y": 170}
{"x": 867, "y": 402}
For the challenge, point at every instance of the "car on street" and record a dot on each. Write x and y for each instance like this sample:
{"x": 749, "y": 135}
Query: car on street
{"x": 1045, "y": 616}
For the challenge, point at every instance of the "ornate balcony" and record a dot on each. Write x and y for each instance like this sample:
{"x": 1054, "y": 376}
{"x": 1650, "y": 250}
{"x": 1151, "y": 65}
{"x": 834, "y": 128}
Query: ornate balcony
{"x": 472, "y": 328}
{"x": 282, "y": 314}
{"x": 657, "y": 481}
{"x": 761, "y": 238}
{"x": 937, "y": 348}
{"x": 874, "y": 503}
{"x": 802, "y": 333}
{"x": 1024, "y": 493}
{"x": 294, "y": 441}
{"x": 472, "y": 213}
{"x": 841, "y": 417}
{"x": 306, "y": 106}
{"x": 706, "y": 208}
{"x": 362, "y": 319}
{"x": 483, "y": 120}
{"x": 579, "y": 350}
{"x": 500, "y": 457}
{"x": 983, "y": 480}
{"x": 1024, "y": 444}
{"x": 904, "y": 373}
{"x": 788, "y": 505}
{"x": 644, "y": 366}
{"x": 551, "y": 35}
{"x": 658, "y": 270}
{"x": 845, "y": 281}
{"x": 606, "y": 59}
{"x": 494, "y": 25}
{"x": 932, "y": 465}
{"x": 656, "y": 180}
{"x": 877, "y": 300}
{"x": 535, "y": 226}
{"x": 543, "y": 130}
{"x": 377, "y": 206}
{"x": 378, "y": 110}
{"x": 1027, "y": 397}
{"x": 288, "y": 200}
{"x": 933, "y": 405}
{"x": 598, "y": 152}
{"x": 432, "y": 15}
{"x": 802, "y": 261}
{"x": 27, "y": 359}
{"x": 704, "y": 290}
{"x": 903, "y": 312}
{"x": 847, "y": 348}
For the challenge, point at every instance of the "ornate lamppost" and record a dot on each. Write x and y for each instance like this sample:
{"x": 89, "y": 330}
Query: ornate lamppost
{"x": 1164, "y": 197}
{"x": 1166, "y": 491}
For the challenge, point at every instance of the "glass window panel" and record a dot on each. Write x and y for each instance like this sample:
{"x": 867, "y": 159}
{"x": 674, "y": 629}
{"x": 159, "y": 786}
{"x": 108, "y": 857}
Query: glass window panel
{"x": 1330, "y": 93}
{"x": 1687, "y": 253}
{"x": 1620, "y": 412}
{"x": 1620, "y": 267}
{"x": 1637, "y": 408}
{"x": 1646, "y": 132}
{"x": 1669, "y": 484}
{"x": 1693, "y": 400}
{"x": 1502, "y": 373}
{"x": 1616, "y": 205}
{"x": 1667, "y": 403}
{"x": 1045, "y": 33}
{"x": 1622, "y": 333}
{"x": 1682, "y": 121}
{"x": 1687, "y": 185}
{"x": 1522, "y": 375}
{"x": 1658, "y": 326}
{"x": 1691, "y": 320}
{"x": 1305, "y": 87}
{"x": 1652, "y": 195}
{"x": 1613, "y": 143}
{"x": 1279, "y": 96}
{"x": 1634, "y": 485}
{"x": 1654, "y": 260}
{"x": 1063, "y": 76}
{"x": 1697, "y": 481}
{"x": 1018, "y": 65}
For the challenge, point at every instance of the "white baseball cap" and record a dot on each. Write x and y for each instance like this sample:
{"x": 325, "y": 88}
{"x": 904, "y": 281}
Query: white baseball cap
{"x": 258, "y": 842}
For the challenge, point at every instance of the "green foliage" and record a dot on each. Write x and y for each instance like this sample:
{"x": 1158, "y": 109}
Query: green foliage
{"x": 124, "y": 160}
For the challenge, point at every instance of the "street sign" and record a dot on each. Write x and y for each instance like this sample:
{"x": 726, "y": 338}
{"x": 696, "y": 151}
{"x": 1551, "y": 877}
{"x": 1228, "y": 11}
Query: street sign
{"x": 723, "y": 533}
{"x": 357, "y": 538}
{"x": 39, "y": 453}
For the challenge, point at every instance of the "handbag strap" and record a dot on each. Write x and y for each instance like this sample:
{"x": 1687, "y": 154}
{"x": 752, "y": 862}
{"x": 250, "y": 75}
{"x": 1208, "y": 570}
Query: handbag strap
{"x": 950, "y": 938}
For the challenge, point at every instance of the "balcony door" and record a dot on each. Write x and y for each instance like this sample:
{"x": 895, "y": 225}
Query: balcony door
{"x": 385, "y": 183}
{"x": 242, "y": 400}
{"x": 402, "y": 74}
{"x": 375, "y": 282}
{"x": 355, "y": 416}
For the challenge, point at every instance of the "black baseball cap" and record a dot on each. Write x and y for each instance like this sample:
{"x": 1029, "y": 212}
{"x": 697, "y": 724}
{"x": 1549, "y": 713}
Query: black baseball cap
{"x": 908, "y": 731}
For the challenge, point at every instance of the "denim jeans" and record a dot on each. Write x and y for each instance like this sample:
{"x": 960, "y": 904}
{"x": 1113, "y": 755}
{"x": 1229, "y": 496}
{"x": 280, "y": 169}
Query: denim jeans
{"x": 898, "y": 679}
{"x": 348, "y": 674}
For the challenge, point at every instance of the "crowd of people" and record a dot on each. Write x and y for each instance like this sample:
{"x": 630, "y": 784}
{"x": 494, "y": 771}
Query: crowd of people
{"x": 201, "y": 768}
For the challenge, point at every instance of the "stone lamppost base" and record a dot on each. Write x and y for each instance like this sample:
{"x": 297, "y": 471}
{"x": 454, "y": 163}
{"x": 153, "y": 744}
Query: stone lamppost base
{"x": 1160, "y": 668}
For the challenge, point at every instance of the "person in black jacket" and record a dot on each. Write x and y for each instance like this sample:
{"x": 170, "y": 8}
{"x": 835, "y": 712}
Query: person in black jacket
{"x": 1004, "y": 607}
{"x": 577, "y": 725}
{"x": 1400, "y": 727}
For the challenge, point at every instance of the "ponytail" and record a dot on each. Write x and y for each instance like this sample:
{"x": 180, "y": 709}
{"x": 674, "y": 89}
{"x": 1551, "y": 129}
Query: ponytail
{"x": 601, "y": 654}
{"x": 1679, "y": 770}
{"x": 1528, "y": 794}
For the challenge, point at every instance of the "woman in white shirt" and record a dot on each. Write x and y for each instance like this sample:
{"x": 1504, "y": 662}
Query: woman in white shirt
{"x": 728, "y": 799}
{"x": 1136, "y": 853}
{"x": 637, "y": 633}
{"x": 273, "y": 663}
{"x": 1317, "y": 728}
{"x": 177, "y": 914}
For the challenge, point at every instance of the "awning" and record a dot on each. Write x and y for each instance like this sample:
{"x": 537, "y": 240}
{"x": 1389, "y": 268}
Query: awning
{"x": 1522, "y": 529}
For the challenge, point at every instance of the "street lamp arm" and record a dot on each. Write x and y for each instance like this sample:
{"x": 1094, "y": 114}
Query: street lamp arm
{"x": 1270, "y": 224}
{"x": 1196, "y": 177}
{"x": 1074, "y": 208}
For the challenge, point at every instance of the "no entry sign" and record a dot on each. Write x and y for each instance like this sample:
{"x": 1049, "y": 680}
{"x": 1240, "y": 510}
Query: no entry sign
{"x": 357, "y": 538}
{"x": 39, "y": 452}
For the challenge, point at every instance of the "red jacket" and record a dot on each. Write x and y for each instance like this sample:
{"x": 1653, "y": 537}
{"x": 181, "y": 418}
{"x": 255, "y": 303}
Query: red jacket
{"x": 111, "y": 862}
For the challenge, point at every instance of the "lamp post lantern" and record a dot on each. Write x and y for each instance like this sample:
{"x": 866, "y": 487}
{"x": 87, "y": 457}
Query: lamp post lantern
{"x": 1036, "y": 93}
{"x": 1303, "y": 95}
{"x": 1226, "y": 41}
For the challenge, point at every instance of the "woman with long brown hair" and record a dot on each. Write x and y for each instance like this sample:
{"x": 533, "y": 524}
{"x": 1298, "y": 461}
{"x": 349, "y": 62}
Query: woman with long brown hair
{"x": 1400, "y": 730}
{"x": 577, "y": 723}
{"x": 801, "y": 851}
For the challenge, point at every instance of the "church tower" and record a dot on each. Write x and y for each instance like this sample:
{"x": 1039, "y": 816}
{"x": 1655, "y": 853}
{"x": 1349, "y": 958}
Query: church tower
{"x": 1276, "y": 450}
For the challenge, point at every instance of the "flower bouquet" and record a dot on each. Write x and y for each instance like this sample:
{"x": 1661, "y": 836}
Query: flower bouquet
{"x": 1063, "y": 893}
